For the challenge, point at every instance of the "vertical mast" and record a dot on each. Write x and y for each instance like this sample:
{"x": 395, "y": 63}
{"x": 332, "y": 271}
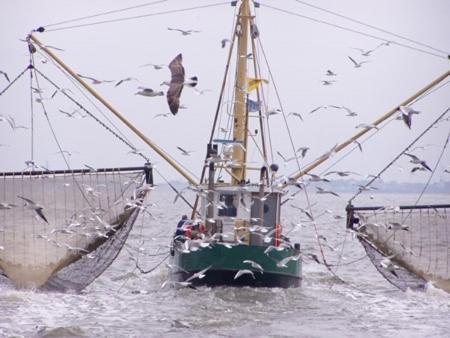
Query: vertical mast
{"x": 240, "y": 111}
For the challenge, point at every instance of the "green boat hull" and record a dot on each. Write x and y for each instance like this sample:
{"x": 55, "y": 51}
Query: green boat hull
{"x": 225, "y": 262}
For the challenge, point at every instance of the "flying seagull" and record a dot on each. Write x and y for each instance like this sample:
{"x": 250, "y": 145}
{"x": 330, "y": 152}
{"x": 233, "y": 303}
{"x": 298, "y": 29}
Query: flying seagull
{"x": 182, "y": 31}
{"x": 323, "y": 191}
{"x": 330, "y": 73}
{"x": 407, "y": 113}
{"x": 34, "y": 206}
{"x": 94, "y": 80}
{"x": 327, "y": 82}
{"x": 148, "y": 92}
{"x": 13, "y": 124}
{"x": 416, "y": 160}
{"x": 296, "y": 114}
{"x": 124, "y": 80}
{"x": 223, "y": 42}
{"x": 155, "y": 66}
{"x": 357, "y": 64}
{"x": 5, "y": 75}
{"x": 176, "y": 83}
{"x": 185, "y": 152}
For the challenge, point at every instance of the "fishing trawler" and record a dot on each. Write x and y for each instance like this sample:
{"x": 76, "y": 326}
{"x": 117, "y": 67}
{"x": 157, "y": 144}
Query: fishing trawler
{"x": 234, "y": 234}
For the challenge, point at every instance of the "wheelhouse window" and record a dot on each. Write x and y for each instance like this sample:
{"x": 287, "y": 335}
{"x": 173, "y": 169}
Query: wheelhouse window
{"x": 229, "y": 209}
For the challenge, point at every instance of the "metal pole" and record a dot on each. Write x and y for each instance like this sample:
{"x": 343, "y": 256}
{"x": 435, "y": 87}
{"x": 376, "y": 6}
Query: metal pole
{"x": 144, "y": 138}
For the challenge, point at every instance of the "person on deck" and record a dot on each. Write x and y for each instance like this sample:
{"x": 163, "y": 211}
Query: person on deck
{"x": 180, "y": 226}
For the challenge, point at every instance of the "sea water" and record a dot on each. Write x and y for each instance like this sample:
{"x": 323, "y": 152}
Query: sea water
{"x": 355, "y": 302}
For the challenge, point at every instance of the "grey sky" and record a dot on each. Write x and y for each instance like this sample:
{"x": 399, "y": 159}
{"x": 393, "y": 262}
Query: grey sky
{"x": 299, "y": 53}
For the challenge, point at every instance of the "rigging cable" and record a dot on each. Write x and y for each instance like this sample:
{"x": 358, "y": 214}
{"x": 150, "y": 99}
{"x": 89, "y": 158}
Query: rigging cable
{"x": 373, "y": 27}
{"x": 126, "y": 142}
{"x": 13, "y": 81}
{"x": 432, "y": 173}
{"x": 401, "y": 153}
{"x": 105, "y": 13}
{"x": 421, "y": 97}
{"x": 82, "y": 191}
{"x": 139, "y": 16}
{"x": 354, "y": 31}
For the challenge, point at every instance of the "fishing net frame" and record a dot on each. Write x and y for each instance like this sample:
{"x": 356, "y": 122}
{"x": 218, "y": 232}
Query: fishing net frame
{"x": 62, "y": 253}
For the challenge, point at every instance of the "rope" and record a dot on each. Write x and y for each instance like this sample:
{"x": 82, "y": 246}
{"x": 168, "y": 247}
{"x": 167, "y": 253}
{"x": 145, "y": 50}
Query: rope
{"x": 80, "y": 89}
{"x": 373, "y": 27}
{"x": 401, "y": 153}
{"x": 58, "y": 144}
{"x": 94, "y": 117}
{"x": 105, "y": 13}
{"x": 153, "y": 268}
{"x": 139, "y": 16}
{"x": 13, "y": 81}
{"x": 126, "y": 142}
{"x": 354, "y": 31}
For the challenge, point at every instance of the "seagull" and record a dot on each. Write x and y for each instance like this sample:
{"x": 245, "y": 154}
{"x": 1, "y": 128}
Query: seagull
{"x": 148, "y": 92}
{"x": 316, "y": 178}
{"x": 201, "y": 274}
{"x": 176, "y": 83}
{"x": 201, "y": 91}
{"x": 13, "y": 124}
{"x": 348, "y": 110}
{"x": 274, "y": 111}
{"x": 185, "y": 152}
{"x": 302, "y": 151}
{"x": 90, "y": 167}
{"x": 182, "y": 31}
{"x": 124, "y": 80}
{"x": 192, "y": 82}
{"x": 155, "y": 66}
{"x": 359, "y": 145}
{"x": 357, "y": 64}
{"x": 5, "y": 75}
{"x": 94, "y": 81}
{"x": 367, "y": 126}
{"x": 254, "y": 265}
{"x": 62, "y": 90}
{"x": 223, "y": 42}
{"x": 327, "y": 82}
{"x": 38, "y": 209}
{"x": 341, "y": 173}
{"x": 73, "y": 114}
{"x": 387, "y": 264}
{"x": 416, "y": 160}
{"x": 317, "y": 108}
{"x": 296, "y": 114}
{"x": 330, "y": 73}
{"x": 244, "y": 272}
{"x": 6, "y": 206}
{"x": 286, "y": 160}
{"x": 323, "y": 191}
{"x": 406, "y": 114}
{"x": 162, "y": 114}
{"x": 306, "y": 212}
{"x": 365, "y": 52}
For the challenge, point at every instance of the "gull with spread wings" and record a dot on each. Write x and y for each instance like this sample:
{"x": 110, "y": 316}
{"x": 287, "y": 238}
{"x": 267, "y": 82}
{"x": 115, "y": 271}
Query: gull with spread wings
{"x": 177, "y": 83}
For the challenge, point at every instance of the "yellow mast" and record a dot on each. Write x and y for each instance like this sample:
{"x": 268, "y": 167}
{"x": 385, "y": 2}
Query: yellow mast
{"x": 240, "y": 111}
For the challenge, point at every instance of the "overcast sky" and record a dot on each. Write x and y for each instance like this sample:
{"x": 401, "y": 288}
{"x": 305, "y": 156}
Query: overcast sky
{"x": 299, "y": 52}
